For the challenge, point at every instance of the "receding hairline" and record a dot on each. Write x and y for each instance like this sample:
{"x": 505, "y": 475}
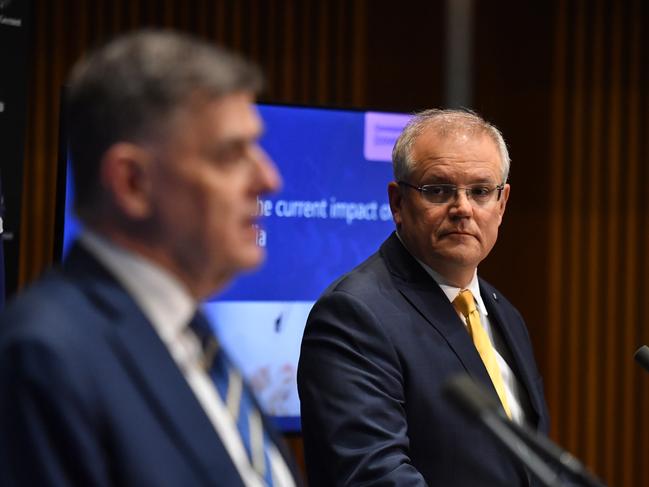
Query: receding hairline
{"x": 455, "y": 132}
{"x": 445, "y": 123}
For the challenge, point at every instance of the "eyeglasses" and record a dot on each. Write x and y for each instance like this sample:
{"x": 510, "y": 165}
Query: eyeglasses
{"x": 439, "y": 194}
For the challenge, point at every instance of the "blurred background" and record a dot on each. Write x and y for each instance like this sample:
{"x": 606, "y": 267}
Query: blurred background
{"x": 567, "y": 82}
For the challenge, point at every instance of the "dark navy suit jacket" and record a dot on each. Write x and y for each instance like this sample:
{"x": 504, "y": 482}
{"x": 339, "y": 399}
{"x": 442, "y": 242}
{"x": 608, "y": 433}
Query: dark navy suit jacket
{"x": 378, "y": 347}
{"x": 90, "y": 396}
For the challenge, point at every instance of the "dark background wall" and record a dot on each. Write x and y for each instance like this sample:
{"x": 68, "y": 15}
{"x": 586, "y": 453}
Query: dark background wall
{"x": 566, "y": 81}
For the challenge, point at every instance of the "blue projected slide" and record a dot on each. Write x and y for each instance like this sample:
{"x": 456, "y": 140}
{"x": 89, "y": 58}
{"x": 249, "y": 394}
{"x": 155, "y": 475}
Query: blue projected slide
{"x": 331, "y": 214}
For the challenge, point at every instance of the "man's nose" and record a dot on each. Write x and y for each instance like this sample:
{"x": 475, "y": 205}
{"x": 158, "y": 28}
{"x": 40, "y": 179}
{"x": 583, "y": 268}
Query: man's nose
{"x": 267, "y": 175}
{"x": 461, "y": 203}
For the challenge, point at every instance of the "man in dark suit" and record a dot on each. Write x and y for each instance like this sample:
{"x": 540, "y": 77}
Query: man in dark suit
{"x": 381, "y": 341}
{"x": 108, "y": 374}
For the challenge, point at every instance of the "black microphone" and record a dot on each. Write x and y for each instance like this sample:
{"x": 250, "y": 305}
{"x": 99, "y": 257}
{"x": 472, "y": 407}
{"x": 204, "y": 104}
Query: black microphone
{"x": 642, "y": 357}
{"x": 524, "y": 443}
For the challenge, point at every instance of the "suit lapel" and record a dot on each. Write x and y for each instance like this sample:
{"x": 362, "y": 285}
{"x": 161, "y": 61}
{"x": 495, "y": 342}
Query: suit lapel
{"x": 151, "y": 366}
{"x": 423, "y": 293}
{"x": 520, "y": 352}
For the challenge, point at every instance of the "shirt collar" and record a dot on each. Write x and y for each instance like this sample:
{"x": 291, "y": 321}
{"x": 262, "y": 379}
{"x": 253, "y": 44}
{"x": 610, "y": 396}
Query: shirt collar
{"x": 161, "y": 297}
{"x": 451, "y": 291}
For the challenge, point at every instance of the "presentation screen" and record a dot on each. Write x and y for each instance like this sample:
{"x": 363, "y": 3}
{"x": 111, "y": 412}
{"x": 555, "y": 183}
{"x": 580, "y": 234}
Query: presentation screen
{"x": 330, "y": 215}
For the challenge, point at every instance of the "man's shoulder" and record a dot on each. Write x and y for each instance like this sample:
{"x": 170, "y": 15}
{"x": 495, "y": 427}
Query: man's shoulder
{"x": 381, "y": 272}
{"x": 48, "y": 310}
{"x": 366, "y": 278}
{"x": 51, "y": 288}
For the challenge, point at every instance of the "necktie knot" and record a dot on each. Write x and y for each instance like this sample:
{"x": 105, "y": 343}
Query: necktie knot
{"x": 201, "y": 327}
{"x": 464, "y": 303}
{"x": 209, "y": 344}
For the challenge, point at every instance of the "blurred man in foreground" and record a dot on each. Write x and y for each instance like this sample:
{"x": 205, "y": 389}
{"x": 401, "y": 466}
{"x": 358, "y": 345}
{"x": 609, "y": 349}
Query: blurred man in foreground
{"x": 382, "y": 341}
{"x": 108, "y": 373}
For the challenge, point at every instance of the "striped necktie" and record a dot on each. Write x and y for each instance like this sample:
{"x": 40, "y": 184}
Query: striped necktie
{"x": 237, "y": 397}
{"x": 465, "y": 305}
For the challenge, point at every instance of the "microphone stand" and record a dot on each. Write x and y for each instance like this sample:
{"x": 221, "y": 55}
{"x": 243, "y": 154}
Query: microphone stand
{"x": 525, "y": 444}
{"x": 533, "y": 462}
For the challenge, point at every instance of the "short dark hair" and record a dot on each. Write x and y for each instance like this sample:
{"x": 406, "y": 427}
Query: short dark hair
{"x": 128, "y": 90}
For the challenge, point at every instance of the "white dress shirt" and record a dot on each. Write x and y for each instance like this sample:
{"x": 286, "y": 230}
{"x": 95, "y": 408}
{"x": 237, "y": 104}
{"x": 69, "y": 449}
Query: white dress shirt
{"x": 169, "y": 308}
{"x": 513, "y": 389}
{"x": 516, "y": 396}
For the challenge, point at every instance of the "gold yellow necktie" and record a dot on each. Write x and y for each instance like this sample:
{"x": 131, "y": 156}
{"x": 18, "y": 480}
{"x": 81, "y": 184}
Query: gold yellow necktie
{"x": 465, "y": 304}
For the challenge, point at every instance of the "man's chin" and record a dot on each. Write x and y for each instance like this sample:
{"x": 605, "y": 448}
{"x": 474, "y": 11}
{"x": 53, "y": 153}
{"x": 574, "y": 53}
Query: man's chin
{"x": 251, "y": 257}
{"x": 460, "y": 254}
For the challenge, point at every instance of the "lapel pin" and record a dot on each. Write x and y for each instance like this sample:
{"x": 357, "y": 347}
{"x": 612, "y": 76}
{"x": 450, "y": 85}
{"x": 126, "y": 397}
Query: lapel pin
{"x": 494, "y": 295}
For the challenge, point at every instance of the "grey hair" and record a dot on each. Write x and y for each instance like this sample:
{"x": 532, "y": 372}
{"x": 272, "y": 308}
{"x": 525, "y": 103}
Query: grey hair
{"x": 445, "y": 122}
{"x": 130, "y": 89}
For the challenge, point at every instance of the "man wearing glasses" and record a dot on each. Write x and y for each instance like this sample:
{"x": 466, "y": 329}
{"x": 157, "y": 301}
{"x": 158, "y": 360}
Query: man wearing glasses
{"x": 382, "y": 341}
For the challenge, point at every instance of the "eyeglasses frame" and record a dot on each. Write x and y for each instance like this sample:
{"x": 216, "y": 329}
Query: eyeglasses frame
{"x": 423, "y": 189}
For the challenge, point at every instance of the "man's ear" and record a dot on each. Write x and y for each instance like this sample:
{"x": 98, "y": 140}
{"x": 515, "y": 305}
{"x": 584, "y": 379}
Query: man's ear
{"x": 126, "y": 176}
{"x": 502, "y": 203}
{"x": 396, "y": 199}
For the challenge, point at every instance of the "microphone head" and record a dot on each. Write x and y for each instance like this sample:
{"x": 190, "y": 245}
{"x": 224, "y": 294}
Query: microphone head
{"x": 642, "y": 357}
{"x": 470, "y": 397}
